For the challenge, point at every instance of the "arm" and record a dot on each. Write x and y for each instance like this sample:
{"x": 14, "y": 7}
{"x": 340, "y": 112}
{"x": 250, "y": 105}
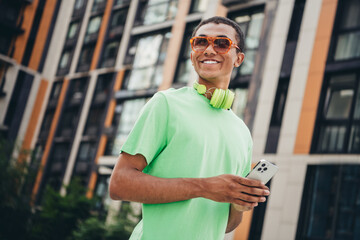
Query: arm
{"x": 128, "y": 182}
{"x": 235, "y": 218}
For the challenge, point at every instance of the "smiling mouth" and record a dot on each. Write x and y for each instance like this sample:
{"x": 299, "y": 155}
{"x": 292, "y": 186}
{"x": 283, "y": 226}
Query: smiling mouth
{"x": 209, "y": 62}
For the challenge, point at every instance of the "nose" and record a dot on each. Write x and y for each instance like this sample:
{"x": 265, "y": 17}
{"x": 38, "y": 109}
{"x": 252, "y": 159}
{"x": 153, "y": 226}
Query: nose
{"x": 210, "y": 49}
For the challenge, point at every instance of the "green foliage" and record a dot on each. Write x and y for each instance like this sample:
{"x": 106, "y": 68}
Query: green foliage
{"x": 68, "y": 217}
{"x": 60, "y": 215}
{"x": 14, "y": 204}
{"x": 94, "y": 229}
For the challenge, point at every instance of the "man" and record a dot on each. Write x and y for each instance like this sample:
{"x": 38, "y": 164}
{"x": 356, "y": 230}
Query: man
{"x": 187, "y": 156}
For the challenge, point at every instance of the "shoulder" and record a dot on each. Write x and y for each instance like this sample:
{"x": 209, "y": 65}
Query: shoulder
{"x": 241, "y": 124}
{"x": 175, "y": 96}
{"x": 163, "y": 99}
{"x": 172, "y": 92}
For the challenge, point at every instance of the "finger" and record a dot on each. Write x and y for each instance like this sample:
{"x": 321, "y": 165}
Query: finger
{"x": 244, "y": 203}
{"x": 256, "y": 191}
{"x": 250, "y": 198}
{"x": 250, "y": 182}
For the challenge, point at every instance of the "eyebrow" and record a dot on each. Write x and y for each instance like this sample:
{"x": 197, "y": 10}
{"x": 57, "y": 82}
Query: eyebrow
{"x": 204, "y": 35}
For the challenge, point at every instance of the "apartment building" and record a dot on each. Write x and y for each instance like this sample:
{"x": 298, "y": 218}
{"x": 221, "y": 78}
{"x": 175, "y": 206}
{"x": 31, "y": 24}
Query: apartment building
{"x": 75, "y": 74}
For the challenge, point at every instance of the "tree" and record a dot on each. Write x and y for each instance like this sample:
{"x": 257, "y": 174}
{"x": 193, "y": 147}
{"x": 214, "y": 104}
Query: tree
{"x": 14, "y": 202}
{"x": 60, "y": 215}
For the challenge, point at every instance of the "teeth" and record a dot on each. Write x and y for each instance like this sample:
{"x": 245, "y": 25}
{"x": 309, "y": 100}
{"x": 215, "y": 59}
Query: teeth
{"x": 209, "y": 62}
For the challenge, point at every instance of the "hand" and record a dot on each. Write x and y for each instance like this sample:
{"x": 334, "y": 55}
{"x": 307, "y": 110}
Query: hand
{"x": 236, "y": 190}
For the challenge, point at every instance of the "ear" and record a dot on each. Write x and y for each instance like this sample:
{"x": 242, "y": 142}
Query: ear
{"x": 191, "y": 58}
{"x": 239, "y": 59}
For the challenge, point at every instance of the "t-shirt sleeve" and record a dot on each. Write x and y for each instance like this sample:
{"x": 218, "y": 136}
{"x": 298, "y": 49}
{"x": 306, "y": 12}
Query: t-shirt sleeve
{"x": 246, "y": 169}
{"x": 148, "y": 136}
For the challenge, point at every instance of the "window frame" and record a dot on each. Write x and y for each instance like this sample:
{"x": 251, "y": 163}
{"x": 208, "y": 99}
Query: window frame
{"x": 322, "y": 122}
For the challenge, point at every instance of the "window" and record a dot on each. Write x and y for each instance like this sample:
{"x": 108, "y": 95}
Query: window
{"x": 148, "y": 61}
{"x": 79, "y": 4}
{"x": 72, "y": 108}
{"x": 277, "y": 115}
{"x": 251, "y": 25}
{"x": 73, "y": 28}
{"x": 119, "y": 18}
{"x": 127, "y": 113}
{"x": 65, "y": 59}
{"x": 87, "y": 152}
{"x": 98, "y": 5}
{"x": 331, "y": 203}
{"x": 85, "y": 58}
{"x": 94, "y": 25}
{"x": 121, "y": 2}
{"x": 156, "y": 11}
{"x": 240, "y": 101}
{"x": 60, "y": 152}
{"x": 199, "y": 6}
{"x": 185, "y": 67}
{"x": 347, "y": 35}
{"x": 109, "y": 54}
{"x": 339, "y": 116}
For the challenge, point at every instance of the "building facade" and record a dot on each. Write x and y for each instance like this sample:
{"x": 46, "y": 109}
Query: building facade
{"x": 75, "y": 74}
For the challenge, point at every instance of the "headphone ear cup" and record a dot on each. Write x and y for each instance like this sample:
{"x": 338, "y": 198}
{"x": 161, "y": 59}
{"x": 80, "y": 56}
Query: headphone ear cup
{"x": 215, "y": 98}
{"x": 228, "y": 100}
{"x": 219, "y": 95}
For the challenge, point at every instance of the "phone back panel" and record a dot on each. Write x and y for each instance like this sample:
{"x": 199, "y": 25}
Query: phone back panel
{"x": 263, "y": 171}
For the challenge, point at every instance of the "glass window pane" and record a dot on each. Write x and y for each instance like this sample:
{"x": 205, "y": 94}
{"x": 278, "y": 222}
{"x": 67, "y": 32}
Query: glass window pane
{"x": 322, "y": 200}
{"x": 141, "y": 78}
{"x": 357, "y": 104}
{"x": 119, "y": 18}
{"x": 78, "y": 4}
{"x": 354, "y": 142}
{"x": 339, "y": 104}
{"x": 129, "y": 114}
{"x": 199, "y": 5}
{"x": 253, "y": 34}
{"x": 240, "y": 100}
{"x": 348, "y": 46}
{"x": 155, "y": 14}
{"x": 350, "y": 16}
{"x": 94, "y": 25}
{"x": 147, "y": 51}
{"x": 121, "y": 2}
{"x": 64, "y": 60}
{"x": 185, "y": 71}
{"x": 247, "y": 66}
{"x": 243, "y": 22}
{"x": 339, "y": 96}
{"x": 158, "y": 76}
{"x": 86, "y": 55}
{"x": 72, "y": 30}
{"x": 331, "y": 139}
{"x": 111, "y": 50}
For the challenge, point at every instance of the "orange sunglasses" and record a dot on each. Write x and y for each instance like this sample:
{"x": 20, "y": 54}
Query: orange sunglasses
{"x": 221, "y": 45}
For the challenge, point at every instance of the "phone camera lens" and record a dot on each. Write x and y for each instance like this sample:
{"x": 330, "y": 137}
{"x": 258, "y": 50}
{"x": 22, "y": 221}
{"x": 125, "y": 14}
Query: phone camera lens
{"x": 263, "y": 165}
{"x": 265, "y": 169}
{"x": 259, "y": 169}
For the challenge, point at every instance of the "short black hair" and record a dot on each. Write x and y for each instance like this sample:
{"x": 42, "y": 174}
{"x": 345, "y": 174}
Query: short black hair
{"x": 240, "y": 38}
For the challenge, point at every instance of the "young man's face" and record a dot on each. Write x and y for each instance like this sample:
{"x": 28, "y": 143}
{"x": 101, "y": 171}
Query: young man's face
{"x": 211, "y": 66}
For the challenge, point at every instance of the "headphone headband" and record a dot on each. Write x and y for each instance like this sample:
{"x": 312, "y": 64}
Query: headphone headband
{"x": 220, "y": 98}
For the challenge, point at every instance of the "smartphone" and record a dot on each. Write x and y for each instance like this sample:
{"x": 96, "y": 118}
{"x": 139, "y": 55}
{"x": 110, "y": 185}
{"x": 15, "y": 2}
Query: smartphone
{"x": 263, "y": 171}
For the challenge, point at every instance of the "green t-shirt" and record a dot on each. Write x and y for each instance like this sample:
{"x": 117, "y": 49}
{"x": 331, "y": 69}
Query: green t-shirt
{"x": 182, "y": 136}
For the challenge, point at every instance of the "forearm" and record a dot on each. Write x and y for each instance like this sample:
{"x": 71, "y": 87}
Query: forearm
{"x": 133, "y": 185}
{"x": 129, "y": 183}
{"x": 234, "y": 220}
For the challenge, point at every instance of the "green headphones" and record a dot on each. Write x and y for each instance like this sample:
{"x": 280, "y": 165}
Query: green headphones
{"x": 220, "y": 98}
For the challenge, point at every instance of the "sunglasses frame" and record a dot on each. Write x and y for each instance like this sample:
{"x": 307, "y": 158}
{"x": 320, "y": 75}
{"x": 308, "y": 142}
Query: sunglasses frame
{"x": 211, "y": 40}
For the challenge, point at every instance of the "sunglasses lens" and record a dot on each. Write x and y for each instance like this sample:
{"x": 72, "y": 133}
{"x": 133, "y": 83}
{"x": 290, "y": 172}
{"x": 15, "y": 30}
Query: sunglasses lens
{"x": 200, "y": 44}
{"x": 221, "y": 45}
